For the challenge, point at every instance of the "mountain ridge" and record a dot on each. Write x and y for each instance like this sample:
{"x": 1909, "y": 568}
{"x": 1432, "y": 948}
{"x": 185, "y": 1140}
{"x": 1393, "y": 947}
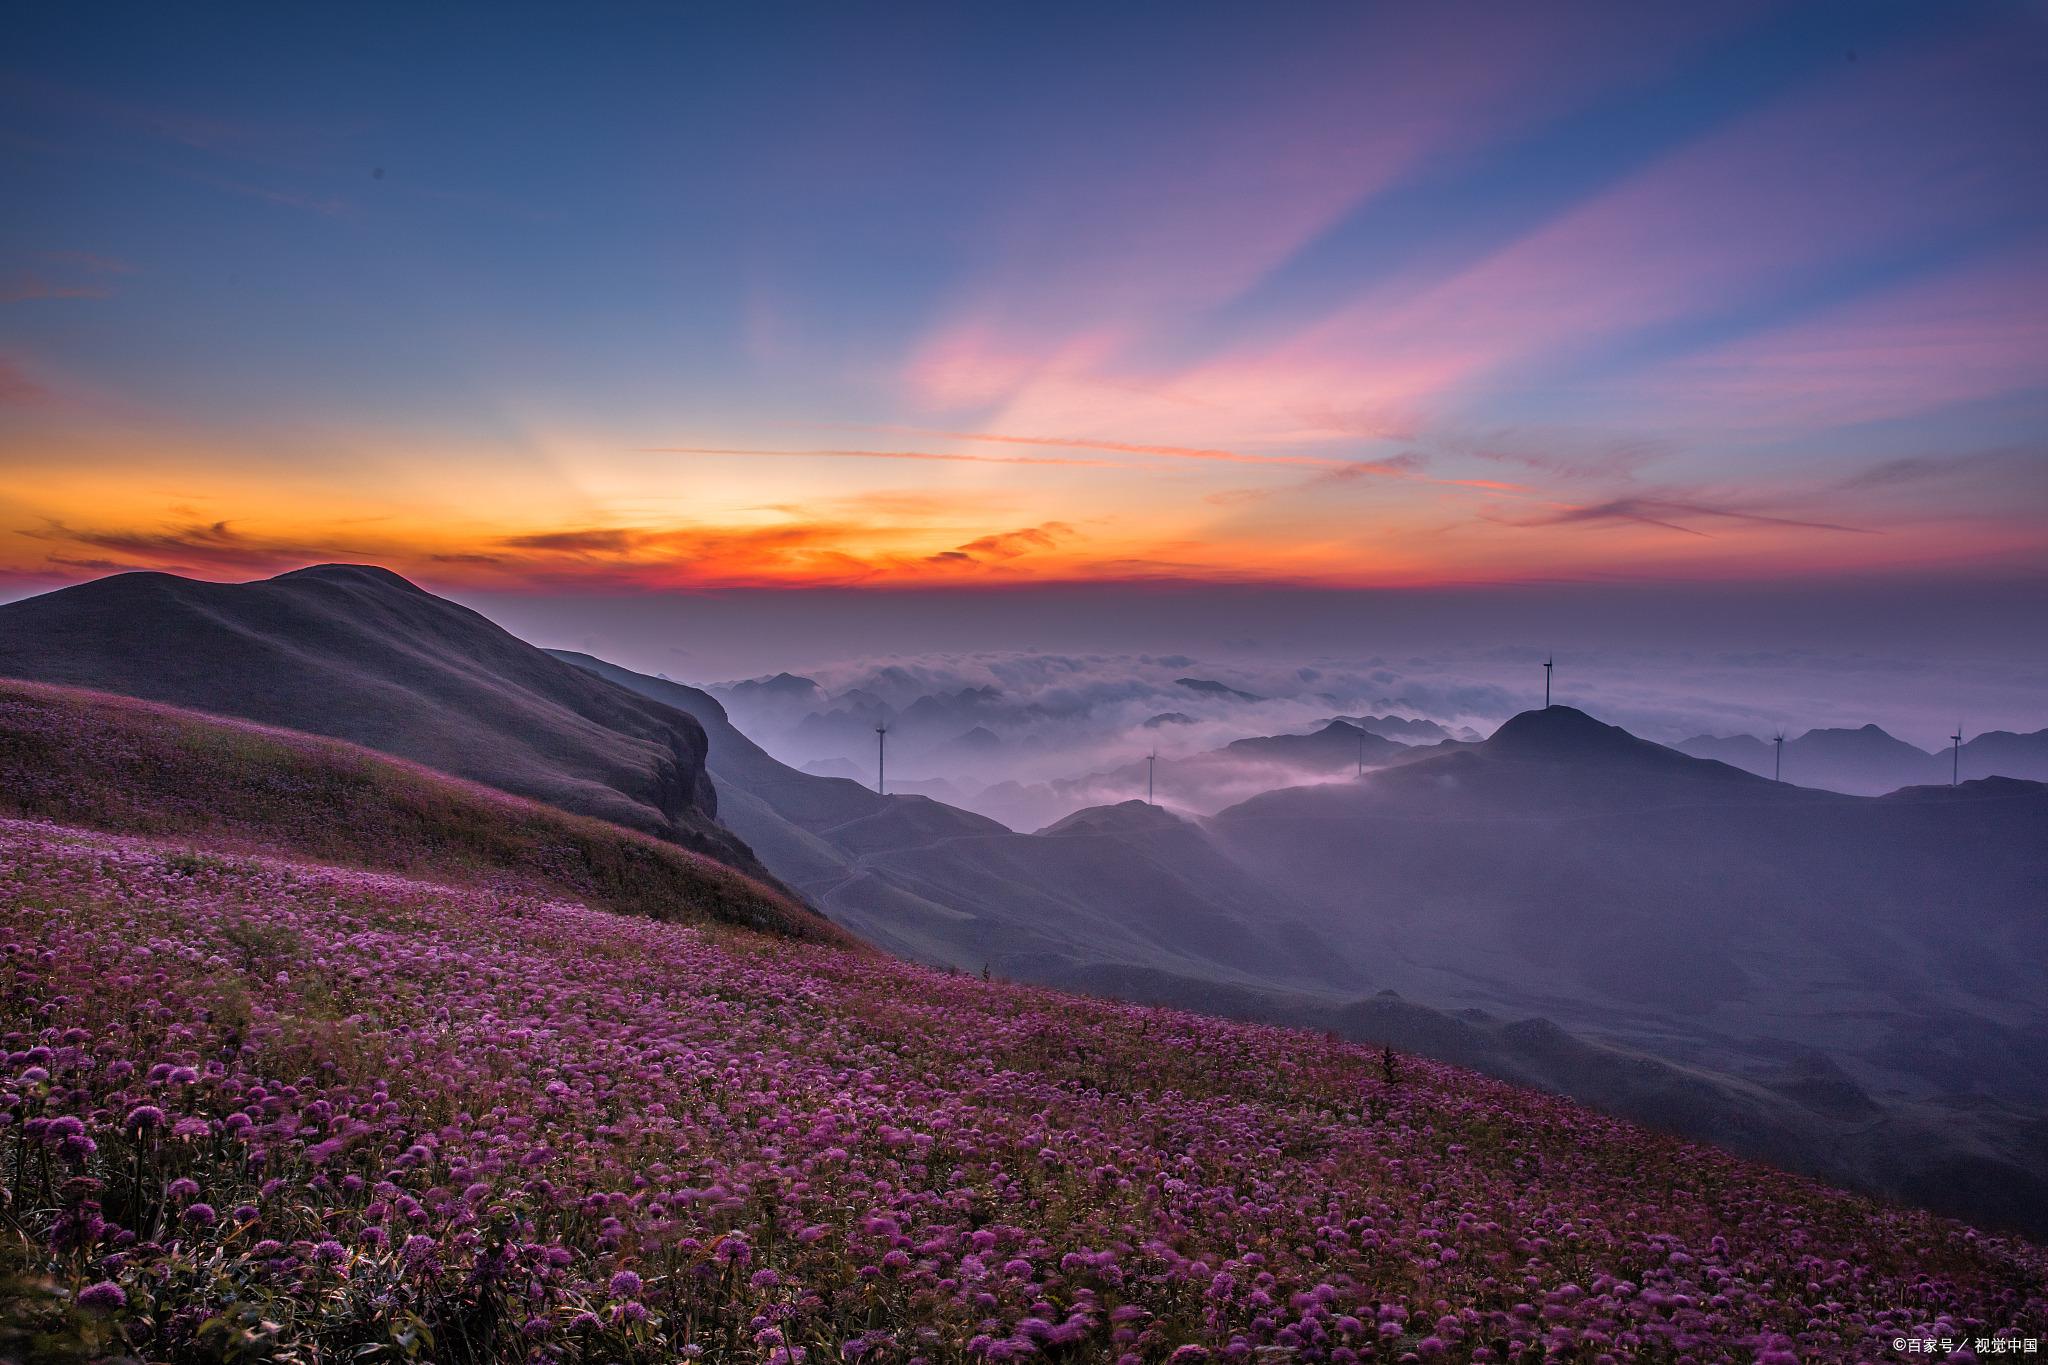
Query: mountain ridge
{"x": 1866, "y": 761}
{"x": 360, "y": 654}
{"x": 1644, "y": 970}
{"x": 93, "y": 760}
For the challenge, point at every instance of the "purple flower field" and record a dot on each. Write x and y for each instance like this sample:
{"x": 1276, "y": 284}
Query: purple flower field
{"x": 259, "y": 1111}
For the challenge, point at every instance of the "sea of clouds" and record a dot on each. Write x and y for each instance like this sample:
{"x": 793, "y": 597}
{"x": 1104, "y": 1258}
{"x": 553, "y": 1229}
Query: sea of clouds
{"x": 1026, "y": 736}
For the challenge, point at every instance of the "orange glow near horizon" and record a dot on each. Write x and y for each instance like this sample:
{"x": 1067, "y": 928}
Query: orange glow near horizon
{"x": 1571, "y": 295}
{"x": 585, "y": 520}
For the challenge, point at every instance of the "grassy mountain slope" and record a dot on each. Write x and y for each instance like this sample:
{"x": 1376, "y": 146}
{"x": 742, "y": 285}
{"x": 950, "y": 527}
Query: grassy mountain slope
{"x": 360, "y": 654}
{"x": 265, "y": 1111}
{"x": 1728, "y": 924}
{"x": 1567, "y": 861}
{"x": 112, "y": 763}
{"x": 1149, "y": 908}
{"x": 948, "y": 887}
{"x": 1129, "y": 901}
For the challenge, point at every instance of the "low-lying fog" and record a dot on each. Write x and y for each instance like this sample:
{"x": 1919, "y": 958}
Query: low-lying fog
{"x": 1027, "y": 735}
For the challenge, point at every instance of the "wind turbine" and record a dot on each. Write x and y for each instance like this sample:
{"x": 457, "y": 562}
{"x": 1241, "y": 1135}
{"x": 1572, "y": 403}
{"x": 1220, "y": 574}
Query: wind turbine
{"x": 1955, "y": 778}
{"x": 1361, "y": 753}
{"x": 1548, "y": 664}
{"x": 881, "y": 754}
{"x": 1778, "y": 769}
{"x": 1150, "y": 759}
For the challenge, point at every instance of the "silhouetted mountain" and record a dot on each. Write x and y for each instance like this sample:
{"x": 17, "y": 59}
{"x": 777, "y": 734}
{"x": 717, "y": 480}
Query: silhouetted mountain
{"x": 1207, "y": 782}
{"x": 1865, "y": 761}
{"x": 1564, "y": 735}
{"x": 1211, "y": 687}
{"x": 1168, "y": 718}
{"x": 976, "y": 744}
{"x": 1684, "y": 908}
{"x": 782, "y": 689}
{"x": 1569, "y": 867}
{"x": 1333, "y": 748}
{"x": 1128, "y": 818}
{"x": 358, "y": 653}
{"x": 1400, "y": 728}
{"x": 1869, "y": 762}
{"x": 2001, "y": 753}
{"x": 1019, "y": 805}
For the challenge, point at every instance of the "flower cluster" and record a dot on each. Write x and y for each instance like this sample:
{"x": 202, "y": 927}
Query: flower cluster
{"x": 257, "y": 1105}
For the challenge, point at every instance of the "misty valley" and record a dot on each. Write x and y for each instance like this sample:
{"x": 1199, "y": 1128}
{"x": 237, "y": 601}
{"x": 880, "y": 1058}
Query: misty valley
{"x": 1846, "y": 985}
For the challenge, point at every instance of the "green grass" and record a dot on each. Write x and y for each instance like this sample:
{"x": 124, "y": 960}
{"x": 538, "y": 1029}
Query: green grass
{"x": 112, "y": 763}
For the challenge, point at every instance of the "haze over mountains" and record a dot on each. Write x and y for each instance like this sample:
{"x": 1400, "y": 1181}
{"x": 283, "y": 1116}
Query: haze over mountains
{"x": 1849, "y": 985}
{"x": 1054, "y": 734}
{"x": 1869, "y": 762}
{"x": 1063, "y": 733}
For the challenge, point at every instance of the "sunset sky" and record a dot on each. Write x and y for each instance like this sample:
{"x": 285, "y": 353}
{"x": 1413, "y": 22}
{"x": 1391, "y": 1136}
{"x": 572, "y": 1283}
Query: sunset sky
{"x": 632, "y": 298}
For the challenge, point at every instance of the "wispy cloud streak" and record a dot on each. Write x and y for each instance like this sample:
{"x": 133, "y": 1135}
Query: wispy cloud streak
{"x": 904, "y": 455}
{"x": 1651, "y": 512}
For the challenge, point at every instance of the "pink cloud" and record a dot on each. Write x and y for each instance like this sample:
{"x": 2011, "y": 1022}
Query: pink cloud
{"x": 16, "y": 387}
{"x": 1854, "y": 170}
{"x": 1975, "y": 332}
{"x": 28, "y": 284}
{"x": 67, "y": 275}
{"x": 1846, "y": 173}
{"x": 1122, "y": 238}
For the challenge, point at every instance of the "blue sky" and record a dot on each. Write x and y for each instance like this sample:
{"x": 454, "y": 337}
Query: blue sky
{"x": 692, "y": 298}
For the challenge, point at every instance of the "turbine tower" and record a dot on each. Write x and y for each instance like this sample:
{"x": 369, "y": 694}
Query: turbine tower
{"x": 1361, "y": 753}
{"x": 881, "y": 753}
{"x": 1778, "y": 769}
{"x": 1548, "y": 664}
{"x": 1150, "y": 759}
{"x": 1955, "y": 778}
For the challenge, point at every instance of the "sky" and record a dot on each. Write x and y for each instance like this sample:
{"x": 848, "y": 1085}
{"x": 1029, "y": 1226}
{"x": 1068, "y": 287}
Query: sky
{"x": 931, "y": 317}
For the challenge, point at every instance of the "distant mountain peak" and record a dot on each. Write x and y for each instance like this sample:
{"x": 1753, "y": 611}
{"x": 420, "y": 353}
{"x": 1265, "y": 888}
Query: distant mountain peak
{"x": 781, "y": 685}
{"x": 1125, "y": 817}
{"x": 1402, "y": 729}
{"x": 1213, "y": 688}
{"x": 1563, "y": 732}
{"x": 354, "y": 573}
{"x": 1564, "y": 735}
